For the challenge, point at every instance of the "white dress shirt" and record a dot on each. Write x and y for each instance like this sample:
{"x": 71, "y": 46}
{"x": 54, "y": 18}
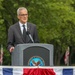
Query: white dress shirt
{"x": 21, "y": 26}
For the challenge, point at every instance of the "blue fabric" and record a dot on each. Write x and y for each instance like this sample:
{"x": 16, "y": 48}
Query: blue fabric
{"x": 7, "y": 71}
{"x": 67, "y": 72}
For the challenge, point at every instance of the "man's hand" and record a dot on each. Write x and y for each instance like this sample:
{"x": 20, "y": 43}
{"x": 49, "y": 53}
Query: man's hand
{"x": 11, "y": 49}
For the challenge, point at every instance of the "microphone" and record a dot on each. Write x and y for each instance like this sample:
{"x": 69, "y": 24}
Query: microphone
{"x": 28, "y": 33}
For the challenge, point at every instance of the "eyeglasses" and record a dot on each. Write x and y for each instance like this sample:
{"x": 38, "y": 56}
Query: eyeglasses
{"x": 23, "y": 14}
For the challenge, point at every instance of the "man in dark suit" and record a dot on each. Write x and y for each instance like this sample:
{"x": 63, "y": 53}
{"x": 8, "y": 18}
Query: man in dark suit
{"x": 15, "y": 32}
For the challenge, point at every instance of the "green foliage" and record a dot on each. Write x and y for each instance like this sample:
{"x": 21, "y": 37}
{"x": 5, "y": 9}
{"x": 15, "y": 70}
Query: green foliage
{"x": 55, "y": 20}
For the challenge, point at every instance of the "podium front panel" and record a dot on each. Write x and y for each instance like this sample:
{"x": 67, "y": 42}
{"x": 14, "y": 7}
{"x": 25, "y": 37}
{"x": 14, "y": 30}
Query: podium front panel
{"x": 40, "y": 54}
{"x": 33, "y": 54}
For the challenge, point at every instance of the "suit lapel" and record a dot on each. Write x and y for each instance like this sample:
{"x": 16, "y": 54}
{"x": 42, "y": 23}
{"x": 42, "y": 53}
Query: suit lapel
{"x": 19, "y": 30}
{"x": 28, "y": 27}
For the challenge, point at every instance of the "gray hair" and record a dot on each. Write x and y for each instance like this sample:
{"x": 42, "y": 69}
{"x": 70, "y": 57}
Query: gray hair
{"x": 19, "y": 9}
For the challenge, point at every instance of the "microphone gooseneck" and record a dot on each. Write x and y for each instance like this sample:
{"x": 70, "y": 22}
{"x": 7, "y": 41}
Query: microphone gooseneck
{"x": 28, "y": 33}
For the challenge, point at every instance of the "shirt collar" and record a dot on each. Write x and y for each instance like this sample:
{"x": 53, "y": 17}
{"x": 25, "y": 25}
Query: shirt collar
{"x": 22, "y": 24}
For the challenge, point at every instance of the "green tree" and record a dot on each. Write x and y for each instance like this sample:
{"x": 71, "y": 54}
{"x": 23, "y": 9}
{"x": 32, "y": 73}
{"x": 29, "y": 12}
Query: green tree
{"x": 55, "y": 20}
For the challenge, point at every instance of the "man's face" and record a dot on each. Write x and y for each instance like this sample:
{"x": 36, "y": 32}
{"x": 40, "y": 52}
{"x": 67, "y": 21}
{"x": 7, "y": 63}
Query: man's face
{"x": 23, "y": 16}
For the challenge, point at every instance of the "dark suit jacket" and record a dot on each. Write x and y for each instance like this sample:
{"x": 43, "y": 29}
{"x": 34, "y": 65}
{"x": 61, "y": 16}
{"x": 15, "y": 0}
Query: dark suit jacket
{"x": 15, "y": 36}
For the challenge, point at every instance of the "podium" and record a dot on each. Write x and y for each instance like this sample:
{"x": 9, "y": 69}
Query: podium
{"x": 33, "y": 54}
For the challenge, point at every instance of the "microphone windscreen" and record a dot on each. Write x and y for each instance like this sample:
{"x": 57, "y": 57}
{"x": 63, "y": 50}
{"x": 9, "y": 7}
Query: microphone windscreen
{"x": 27, "y": 32}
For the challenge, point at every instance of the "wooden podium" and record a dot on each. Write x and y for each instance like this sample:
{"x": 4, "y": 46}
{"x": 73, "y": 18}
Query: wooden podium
{"x": 33, "y": 54}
